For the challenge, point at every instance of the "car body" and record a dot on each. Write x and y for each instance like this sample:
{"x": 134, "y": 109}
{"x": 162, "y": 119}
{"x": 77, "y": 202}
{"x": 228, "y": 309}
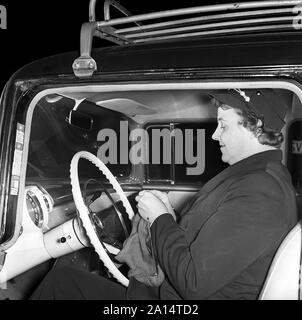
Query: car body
{"x": 147, "y": 86}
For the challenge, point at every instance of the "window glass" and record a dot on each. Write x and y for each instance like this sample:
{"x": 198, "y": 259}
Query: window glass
{"x": 205, "y": 160}
{"x": 159, "y": 167}
{"x": 194, "y": 156}
{"x": 53, "y": 141}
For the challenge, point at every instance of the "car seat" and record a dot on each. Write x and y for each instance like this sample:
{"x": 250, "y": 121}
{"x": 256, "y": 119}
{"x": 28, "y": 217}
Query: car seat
{"x": 284, "y": 276}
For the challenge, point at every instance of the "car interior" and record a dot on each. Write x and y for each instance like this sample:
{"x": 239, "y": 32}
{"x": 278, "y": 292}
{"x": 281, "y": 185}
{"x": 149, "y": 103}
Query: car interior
{"x": 149, "y": 136}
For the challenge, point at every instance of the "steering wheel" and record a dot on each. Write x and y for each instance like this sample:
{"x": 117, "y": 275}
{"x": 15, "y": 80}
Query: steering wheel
{"x": 84, "y": 212}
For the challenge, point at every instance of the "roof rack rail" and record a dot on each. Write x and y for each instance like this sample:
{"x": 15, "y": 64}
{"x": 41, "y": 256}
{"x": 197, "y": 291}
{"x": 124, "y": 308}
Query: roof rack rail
{"x": 202, "y": 21}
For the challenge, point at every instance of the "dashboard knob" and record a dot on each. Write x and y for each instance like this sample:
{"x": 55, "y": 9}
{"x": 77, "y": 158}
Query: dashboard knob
{"x": 63, "y": 240}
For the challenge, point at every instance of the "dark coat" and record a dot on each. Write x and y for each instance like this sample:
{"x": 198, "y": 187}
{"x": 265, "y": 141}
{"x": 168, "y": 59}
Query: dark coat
{"x": 228, "y": 234}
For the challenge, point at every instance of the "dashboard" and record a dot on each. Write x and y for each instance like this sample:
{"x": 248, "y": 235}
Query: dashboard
{"x": 49, "y": 208}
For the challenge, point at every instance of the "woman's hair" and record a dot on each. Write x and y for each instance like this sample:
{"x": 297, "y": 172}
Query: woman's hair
{"x": 250, "y": 120}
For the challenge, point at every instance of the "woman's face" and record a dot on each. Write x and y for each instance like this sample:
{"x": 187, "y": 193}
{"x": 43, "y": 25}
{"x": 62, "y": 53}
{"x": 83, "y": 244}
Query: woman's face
{"x": 234, "y": 139}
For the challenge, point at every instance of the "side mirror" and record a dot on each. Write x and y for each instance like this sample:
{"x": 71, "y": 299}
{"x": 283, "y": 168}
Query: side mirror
{"x": 80, "y": 120}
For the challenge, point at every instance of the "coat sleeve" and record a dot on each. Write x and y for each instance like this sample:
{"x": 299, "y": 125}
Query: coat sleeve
{"x": 249, "y": 221}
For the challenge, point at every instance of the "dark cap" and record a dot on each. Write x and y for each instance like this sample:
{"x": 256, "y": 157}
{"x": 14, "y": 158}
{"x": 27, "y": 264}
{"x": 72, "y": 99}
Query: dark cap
{"x": 266, "y": 104}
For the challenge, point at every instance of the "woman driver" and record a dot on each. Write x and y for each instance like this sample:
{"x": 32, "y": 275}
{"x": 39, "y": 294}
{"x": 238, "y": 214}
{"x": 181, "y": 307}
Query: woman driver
{"x": 225, "y": 238}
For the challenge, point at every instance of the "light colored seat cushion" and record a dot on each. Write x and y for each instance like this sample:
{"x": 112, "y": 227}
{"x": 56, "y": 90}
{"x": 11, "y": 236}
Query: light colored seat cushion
{"x": 282, "y": 282}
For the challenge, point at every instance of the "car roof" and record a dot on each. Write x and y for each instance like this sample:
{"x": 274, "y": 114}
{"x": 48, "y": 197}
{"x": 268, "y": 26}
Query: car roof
{"x": 247, "y": 34}
{"x": 272, "y": 49}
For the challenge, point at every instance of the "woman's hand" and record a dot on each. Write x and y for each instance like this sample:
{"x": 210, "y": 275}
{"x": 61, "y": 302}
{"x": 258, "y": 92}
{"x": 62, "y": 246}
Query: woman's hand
{"x": 164, "y": 198}
{"x": 150, "y": 206}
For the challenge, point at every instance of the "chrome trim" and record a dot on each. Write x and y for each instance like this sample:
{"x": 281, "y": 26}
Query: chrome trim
{"x": 200, "y": 9}
{"x": 208, "y": 26}
{"x": 222, "y": 24}
{"x": 204, "y": 18}
{"x": 217, "y": 32}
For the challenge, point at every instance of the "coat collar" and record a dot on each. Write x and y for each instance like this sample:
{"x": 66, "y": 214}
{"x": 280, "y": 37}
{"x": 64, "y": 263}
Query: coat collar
{"x": 255, "y": 162}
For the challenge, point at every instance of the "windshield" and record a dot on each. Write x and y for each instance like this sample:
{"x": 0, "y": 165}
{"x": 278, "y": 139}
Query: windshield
{"x": 54, "y": 140}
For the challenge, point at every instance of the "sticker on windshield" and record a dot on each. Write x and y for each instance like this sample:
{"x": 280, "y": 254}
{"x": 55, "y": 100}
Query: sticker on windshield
{"x": 16, "y": 170}
{"x": 297, "y": 146}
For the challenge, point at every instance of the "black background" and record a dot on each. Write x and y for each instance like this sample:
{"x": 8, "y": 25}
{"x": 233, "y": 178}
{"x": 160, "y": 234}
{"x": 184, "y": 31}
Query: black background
{"x": 36, "y": 28}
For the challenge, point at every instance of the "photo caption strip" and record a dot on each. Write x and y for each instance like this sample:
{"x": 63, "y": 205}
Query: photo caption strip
{"x": 160, "y": 309}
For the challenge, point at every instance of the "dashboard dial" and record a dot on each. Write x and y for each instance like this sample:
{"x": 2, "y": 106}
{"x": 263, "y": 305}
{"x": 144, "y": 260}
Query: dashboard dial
{"x": 39, "y": 203}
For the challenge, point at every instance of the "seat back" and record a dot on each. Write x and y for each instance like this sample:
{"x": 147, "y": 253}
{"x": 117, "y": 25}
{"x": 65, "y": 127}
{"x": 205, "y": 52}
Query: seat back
{"x": 282, "y": 282}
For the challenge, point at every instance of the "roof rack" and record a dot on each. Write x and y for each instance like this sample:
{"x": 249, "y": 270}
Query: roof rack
{"x": 203, "y": 21}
